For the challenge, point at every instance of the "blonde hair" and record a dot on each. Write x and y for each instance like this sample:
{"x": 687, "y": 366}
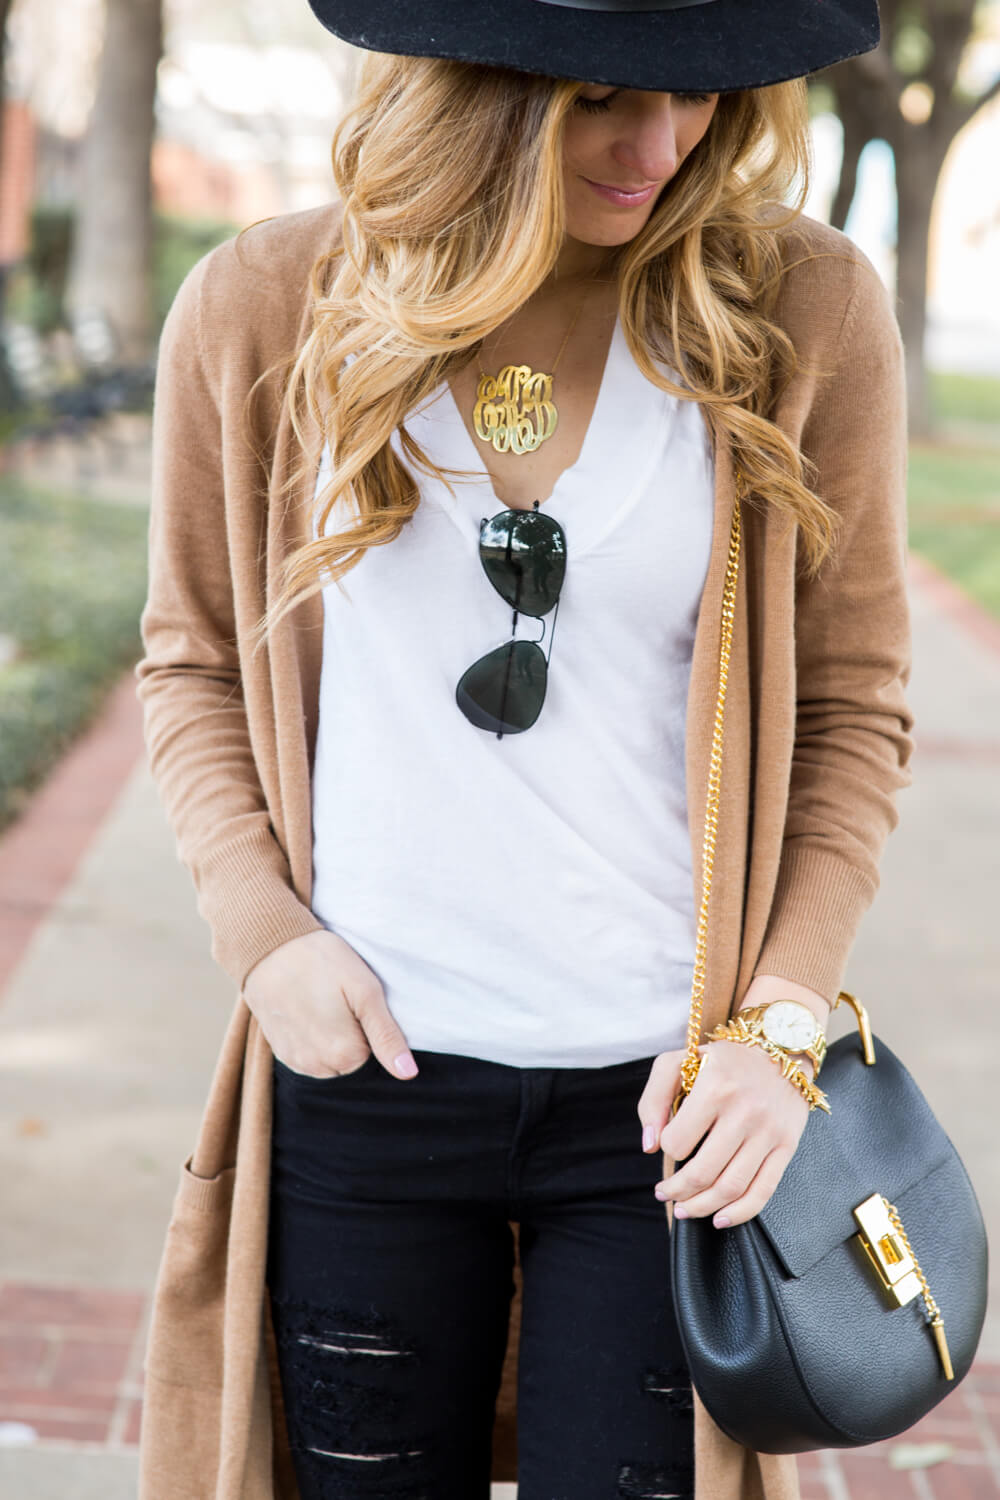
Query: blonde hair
{"x": 450, "y": 176}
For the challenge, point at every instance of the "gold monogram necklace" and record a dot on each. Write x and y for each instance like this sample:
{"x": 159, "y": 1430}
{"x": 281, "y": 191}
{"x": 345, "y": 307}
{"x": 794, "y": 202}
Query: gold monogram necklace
{"x": 514, "y": 410}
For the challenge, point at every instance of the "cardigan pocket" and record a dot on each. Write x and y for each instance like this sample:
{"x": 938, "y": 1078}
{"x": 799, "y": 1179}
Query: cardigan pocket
{"x": 185, "y": 1341}
{"x": 181, "y": 1428}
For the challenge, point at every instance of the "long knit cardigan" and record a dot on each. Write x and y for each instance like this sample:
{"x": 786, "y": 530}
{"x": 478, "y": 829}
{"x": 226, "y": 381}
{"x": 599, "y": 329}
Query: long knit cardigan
{"x": 817, "y": 746}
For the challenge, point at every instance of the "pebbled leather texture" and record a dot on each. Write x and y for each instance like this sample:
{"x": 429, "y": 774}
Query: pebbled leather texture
{"x": 791, "y": 1342}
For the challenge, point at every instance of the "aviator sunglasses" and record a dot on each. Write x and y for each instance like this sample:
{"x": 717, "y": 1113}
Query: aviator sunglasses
{"x": 523, "y": 554}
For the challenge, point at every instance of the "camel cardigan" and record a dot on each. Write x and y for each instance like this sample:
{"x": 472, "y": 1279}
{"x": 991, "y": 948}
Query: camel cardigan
{"x": 817, "y": 746}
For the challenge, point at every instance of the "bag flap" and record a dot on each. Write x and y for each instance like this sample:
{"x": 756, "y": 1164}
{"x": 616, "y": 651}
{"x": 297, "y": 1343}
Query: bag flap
{"x": 880, "y": 1137}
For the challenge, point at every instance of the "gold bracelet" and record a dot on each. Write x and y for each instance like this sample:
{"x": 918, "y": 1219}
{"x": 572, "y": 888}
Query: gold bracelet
{"x": 736, "y": 1030}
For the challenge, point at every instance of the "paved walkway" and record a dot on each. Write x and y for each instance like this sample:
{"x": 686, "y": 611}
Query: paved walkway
{"x": 111, "y": 1013}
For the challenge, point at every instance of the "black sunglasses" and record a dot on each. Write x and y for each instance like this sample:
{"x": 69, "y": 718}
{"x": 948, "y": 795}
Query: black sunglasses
{"x": 524, "y": 556}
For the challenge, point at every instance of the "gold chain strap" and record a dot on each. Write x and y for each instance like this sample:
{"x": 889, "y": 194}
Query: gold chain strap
{"x": 692, "y": 1062}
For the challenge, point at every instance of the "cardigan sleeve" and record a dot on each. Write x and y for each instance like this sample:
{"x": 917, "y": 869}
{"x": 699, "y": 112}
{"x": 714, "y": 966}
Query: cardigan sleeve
{"x": 189, "y": 680}
{"x": 852, "y": 651}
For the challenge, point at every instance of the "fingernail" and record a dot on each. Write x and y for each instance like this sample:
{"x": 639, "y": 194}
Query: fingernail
{"x": 680, "y": 1212}
{"x": 648, "y": 1137}
{"x": 405, "y": 1063}
{"x": 660, "y": 1192}
{"x": 721, "y": 1222}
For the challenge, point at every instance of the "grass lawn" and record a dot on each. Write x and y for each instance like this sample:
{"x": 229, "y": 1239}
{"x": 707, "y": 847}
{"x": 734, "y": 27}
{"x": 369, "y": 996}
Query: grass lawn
{"x": 966, "y": 398}
{"x": 71, "y": 592}
{"x": 955, "y": 515}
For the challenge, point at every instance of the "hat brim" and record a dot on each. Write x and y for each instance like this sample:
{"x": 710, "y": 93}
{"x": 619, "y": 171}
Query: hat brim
{"x": 713, "y": 47}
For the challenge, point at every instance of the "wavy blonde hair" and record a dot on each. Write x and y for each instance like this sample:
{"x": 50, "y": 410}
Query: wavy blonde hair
{"x": 450, "y": 176}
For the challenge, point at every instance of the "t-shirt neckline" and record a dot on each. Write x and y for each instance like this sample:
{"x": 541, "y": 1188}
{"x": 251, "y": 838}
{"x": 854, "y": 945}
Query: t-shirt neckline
{"x": 595, "y": 427}
{"x": 630, "y": 425}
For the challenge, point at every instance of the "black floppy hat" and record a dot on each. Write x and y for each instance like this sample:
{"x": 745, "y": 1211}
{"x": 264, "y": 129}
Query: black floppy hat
{"x": 677, "y": 46}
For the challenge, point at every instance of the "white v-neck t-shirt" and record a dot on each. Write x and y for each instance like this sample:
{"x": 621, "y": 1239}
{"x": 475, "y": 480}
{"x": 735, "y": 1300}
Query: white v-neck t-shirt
{"x": 528, "y": 899}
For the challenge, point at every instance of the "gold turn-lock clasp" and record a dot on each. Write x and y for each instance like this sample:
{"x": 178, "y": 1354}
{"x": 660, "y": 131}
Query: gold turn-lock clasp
{"x": 887, "y": 1246}
{"x": 893, "y": 1263}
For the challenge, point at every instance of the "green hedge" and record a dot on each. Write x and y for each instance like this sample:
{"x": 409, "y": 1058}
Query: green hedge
{"x": 954, "y": 495}
{"x": 71, "y": 592}
{"x": 37, "y": 288}
{"x": 179, "y": 244}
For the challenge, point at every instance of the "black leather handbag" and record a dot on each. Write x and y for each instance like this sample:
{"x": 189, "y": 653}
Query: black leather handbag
{"x": 854, "y": 1301}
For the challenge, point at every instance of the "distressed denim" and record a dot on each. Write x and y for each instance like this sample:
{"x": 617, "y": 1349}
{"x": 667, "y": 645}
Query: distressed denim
{"x": 390, "y": 1260}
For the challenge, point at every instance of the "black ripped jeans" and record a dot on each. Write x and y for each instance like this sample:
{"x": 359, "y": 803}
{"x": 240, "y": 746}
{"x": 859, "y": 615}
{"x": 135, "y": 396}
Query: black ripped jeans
{"x": 390, "y": 1272}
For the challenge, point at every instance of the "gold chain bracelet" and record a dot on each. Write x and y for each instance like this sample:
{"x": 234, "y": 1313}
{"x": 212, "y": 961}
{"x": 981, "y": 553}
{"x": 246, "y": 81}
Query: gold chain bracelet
{"x": 737, "y": 1030}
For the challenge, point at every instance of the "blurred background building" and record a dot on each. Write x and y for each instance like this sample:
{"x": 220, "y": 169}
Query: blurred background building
{"x": 247, "y": 96}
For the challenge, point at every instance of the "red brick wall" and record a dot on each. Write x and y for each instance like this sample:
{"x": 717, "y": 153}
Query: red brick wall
{"x": 17, "y": 178}
{"x": 186, "y": 183}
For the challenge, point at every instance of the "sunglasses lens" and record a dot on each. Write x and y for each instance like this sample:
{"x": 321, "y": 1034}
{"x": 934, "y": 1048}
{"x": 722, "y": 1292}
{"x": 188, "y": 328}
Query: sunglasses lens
{"x": 504, "y": 690}
{"x": 524, "y": 555}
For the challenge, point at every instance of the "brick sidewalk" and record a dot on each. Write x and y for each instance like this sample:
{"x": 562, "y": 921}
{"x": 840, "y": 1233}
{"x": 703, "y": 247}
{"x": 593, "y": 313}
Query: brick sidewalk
{"x": 41, "y": 850}
{"x": 71, "y": 1370}
{"x": 71, "y": 1364}
{"x": 968, "y": 1421}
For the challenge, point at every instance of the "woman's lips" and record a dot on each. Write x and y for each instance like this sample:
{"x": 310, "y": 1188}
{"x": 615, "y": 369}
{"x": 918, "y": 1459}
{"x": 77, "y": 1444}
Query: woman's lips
{"x": 615, "y": 195}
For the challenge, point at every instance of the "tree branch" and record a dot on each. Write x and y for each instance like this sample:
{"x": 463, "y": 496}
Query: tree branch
{"x": 949, "y": 25}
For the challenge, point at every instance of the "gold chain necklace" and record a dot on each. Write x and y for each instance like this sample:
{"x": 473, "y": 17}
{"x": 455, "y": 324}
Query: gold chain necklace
{"x": 514, "y": 410}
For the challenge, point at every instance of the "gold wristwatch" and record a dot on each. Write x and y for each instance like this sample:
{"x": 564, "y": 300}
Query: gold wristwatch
{"x": 790, "y": 1025}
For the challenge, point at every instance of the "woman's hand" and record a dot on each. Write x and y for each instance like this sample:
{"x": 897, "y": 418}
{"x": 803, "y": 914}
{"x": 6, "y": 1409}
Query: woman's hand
{"x": 747, "y": 1117}
{"x": 751, "y": 1119}
{"x": 323, "y": 1010}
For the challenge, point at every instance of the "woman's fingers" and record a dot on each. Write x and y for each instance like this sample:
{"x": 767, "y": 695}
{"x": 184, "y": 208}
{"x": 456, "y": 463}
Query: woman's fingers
{"x": 367, "y": 1001}
{"x": 728, "y": 1185}
{"x": 711, "y": 1162}
{"x": 760, "y": 1190}
{"x": 697, "y": 1114}
{"x": 656, "y": 1099}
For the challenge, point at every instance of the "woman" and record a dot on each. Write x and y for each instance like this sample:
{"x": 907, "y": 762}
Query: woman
{"x": 453, "y": 873}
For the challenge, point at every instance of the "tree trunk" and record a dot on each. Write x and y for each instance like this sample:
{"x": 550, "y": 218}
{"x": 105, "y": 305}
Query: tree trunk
{"x": 110, "y": 271}
{"x": 5, "y": 388}
{"x": 4, "y": 10}
{"x": 869, "y": 91}
{"x": 855, "y": 139}
{"x": 918, "y": 167}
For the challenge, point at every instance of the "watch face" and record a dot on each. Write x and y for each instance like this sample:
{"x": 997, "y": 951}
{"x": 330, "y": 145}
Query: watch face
{"x": 790, "y": 1024}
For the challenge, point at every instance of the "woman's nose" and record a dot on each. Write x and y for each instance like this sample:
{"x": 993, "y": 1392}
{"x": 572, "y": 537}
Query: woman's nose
{"x": 649, "y": 151}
